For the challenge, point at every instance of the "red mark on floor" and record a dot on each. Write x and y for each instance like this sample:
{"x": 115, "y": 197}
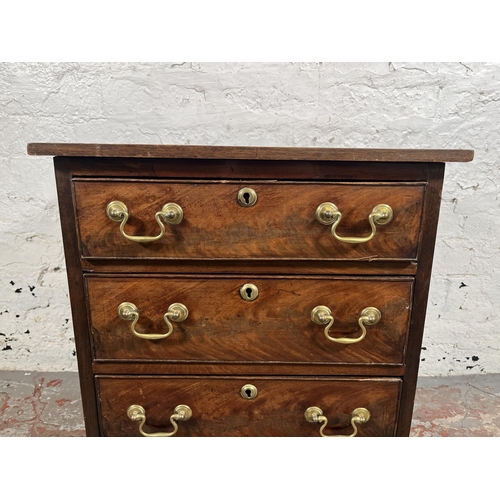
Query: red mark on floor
{"x": 5, "y": 406}
{"x": 63, "y": 401}
{"x": 54, "y": 383}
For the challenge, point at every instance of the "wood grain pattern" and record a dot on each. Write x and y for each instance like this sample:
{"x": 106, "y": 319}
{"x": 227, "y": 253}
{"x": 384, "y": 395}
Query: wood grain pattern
{"x": 282, "y": 224}
{"x": 159, "y": 367}
{"x": 279, "y": 246}
{"x": 251, "y": 153}
{"x": 276, "y": 326}
{"x": 379, "y": 267}
{"x": 219, "y": 410}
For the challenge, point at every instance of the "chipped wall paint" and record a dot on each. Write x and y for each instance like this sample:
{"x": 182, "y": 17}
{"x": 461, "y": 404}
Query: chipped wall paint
{"x": 386, "y": 105}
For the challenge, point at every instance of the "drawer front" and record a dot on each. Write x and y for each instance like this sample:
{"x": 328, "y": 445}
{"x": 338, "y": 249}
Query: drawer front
{"x": 218, "y": 409}
{"x": 282, "y": 224}
{"x": 221, "y": 326}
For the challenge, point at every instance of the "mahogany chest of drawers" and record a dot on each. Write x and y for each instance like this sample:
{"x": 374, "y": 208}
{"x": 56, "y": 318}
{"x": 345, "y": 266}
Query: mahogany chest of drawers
{"x": 247, "y": 291}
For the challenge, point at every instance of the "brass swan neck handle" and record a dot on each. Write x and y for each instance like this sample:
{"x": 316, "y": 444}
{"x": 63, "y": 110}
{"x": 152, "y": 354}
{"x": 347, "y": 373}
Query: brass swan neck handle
{"x": 129, "y": 312}
{"x": 328, "y": 213}
{"x": 137, "y": 413}
{"x": 315, "y": 415}
{"x": 171, "y": 213}
{"x": 322, "y": 315}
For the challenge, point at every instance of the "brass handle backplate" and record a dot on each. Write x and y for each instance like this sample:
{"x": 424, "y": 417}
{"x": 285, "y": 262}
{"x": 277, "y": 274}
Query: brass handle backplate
{"x": 137, "y": 413}
{"x": 171, "y": 213}
{"x": 129, "y": 312}
{"x": 322, "y": 315}
{"x": 315, "y": 415}
{"x": 328, "y": 213}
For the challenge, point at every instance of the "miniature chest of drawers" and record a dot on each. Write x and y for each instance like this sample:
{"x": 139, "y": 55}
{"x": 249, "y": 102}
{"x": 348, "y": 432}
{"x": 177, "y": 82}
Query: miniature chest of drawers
{"x": 248, "y": 291}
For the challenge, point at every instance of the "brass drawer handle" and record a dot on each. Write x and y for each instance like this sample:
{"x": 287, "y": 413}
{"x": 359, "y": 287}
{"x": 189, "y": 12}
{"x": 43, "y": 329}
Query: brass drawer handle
{"x": 137, "y": 413}
{"x": 328, "y": 213}
{"x": 171, "y": 213}
{"x": 323, "y": 316}
{"x": 129, "y": 312}
{"x": 315, "y": 415}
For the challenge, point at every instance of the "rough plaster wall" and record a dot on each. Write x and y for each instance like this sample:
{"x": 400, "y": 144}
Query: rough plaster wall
{"x": 387, "y": 105}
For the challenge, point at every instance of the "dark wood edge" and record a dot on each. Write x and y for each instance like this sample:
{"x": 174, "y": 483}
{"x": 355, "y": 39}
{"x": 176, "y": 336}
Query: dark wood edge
{"x": 249, "y": 152}
{"x": 212, "y": 275}
{"x": 130, "y": 260}
{"x": 330, "y": 268}
{"x": 77, "y": 294}
{"x": 360, "y": 378}
{"x": 251, "y": 269}
{"x": 264, "y": 182}
{"x": 209, "y": 368}
{"x": 249, "y": 170}
{"x": 432, "y": 203}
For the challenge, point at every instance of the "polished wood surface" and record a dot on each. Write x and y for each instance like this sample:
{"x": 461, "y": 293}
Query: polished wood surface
{"x": 277, "y": 326}
{"x": 254, "y": 153}
{"x": 379, "y": 267}
{"x": 247, "y": 368}
{"x": 281, "y": 225}
{"x": 279, "y": 246}
{"x": 219, "y": 410}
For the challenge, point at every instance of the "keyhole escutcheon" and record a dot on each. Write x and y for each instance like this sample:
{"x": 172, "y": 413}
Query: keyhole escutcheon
{"x": 249, "y": 292}
{"x": 247, "y": 197}
{"x": 248, "y": 391}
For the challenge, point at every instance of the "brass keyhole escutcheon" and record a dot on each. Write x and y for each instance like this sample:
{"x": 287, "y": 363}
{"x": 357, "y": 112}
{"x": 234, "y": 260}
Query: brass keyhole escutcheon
{"x": 248, "y": 391}
{"x": 247, "y": 197}
{"x": 249, "y": 292}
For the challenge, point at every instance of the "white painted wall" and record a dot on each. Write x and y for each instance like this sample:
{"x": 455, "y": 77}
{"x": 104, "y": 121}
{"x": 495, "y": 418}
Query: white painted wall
{"x": 386, "y": 105}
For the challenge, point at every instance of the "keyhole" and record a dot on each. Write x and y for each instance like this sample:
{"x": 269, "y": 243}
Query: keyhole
{"x": 249, "y": 292}
{"x": 248, "y": 391}
{"x": 247, "y": 197}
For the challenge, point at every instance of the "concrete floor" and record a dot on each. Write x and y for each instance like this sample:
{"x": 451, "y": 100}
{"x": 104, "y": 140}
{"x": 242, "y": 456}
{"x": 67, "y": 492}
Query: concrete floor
{"x": 48, "y": 404}
{"x": 40, "y": 404}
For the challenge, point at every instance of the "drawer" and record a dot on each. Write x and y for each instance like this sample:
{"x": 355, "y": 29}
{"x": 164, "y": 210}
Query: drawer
{"x": 222, "y": 326}
{"x": 218, "y": 409}
{"x": 282, "y": 224}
